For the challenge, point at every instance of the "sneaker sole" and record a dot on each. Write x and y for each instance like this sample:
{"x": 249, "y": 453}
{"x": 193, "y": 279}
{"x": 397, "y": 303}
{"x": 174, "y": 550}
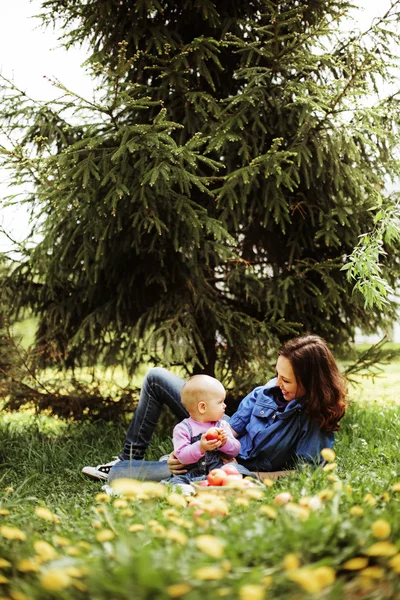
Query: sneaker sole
{"x": 94, "y": 475}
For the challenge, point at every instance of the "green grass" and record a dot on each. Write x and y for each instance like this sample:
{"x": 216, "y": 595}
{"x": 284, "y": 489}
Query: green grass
{"x": 41, "y": 458}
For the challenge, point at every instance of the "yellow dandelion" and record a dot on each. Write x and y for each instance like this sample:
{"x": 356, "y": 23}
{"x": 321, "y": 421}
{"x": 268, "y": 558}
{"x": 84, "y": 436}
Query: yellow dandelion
{"x": 59, "y": 540}
{"x": 84, "y": 544}
{"x": 329, "y": 467}
{"x": 170, "y": 513}
{"x": 45, "y": 550}
{"x": 242, "y": 502}
{"x": 178, "y": 536}
{"x": 370, "y": 499}
{"x": 291, "y": 561}
{"x": 268, "y": 511}
{"x": 253, "y": 493}
{"x": 130, "y": 488}
{"x": 103, "y": 497}
{"x": 127, "y": 512}
{"x": 55, "y": 580}
{"x": 209, "y": 573}
{"x": 348, "y": 489}
{"x": 313, "y": 580}
{"x": 4, "y": 579}
{"x": 12, "y": 533}
{"x": 373, "y": 572}
{"x": 96, "y": 524}
{"x": 223, "y": 592}
{"x": 176, "y": 500}
{"x": 300, "y": 512}
{"x": 157, "y": 528}
{"x": 356, "y": 563}
{"x": 268, "y": 482}
{"x": 44, "y": 513}
{"x": 394, "y": 563}
{"x": 136, "y": 527}
{"x": 9, "y": 490}
{"x": 79, "y": 585}
{"x": 252, "y": 591}
{"x": 210, "y": 545}
{"x": 4, "y": 564}
{"x": 267, "y": 581}
{"x": 151, "y": 489}
{"x": 382, "y": 549}
{"x": 332, "y": 477}
{"x": 177, "y": 590}
{"x": 328, "y": 454}
{"x": 325, "y": 575}
{"x": 380, "y": 529}
{"x": 4, "y": 512}
{"x": 385, "y": 497}
{"x": 120, "y": 503}
{"x": 396, "y": 487}
{"x": 73, "y": 551}
{"x": 28, "y": 565}
{"x": 226, "y": 565}
{"x": 105, "y": 535}
{"x": 356, "y": 511}
{"x": 100, "y": 510}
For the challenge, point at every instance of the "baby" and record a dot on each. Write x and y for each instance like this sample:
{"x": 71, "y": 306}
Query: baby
{"x": 204, "y": 399}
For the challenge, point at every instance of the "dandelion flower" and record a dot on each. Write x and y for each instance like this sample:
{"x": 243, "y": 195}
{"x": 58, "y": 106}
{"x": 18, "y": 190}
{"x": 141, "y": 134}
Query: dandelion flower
{"x": 291, "y": 561}
{"x": 210, "y": 545}
{"x": 252, "y": 592}
{"x": 130, "y": 488}
{"x": 370, "y": 499}
{"x": 253, "y": 493}
{"x": 46, "y": 514}
{"x": 12, "y": 533}
{"x": 45, "y": 550}
{"x": 105, "y": 535}
{"x": 329, "y": 467}
{"x": 382, "y": 549}
{"x": 79, "y": 585}
{"x": 17, "y": 595}
{"x": 177, "y": 590}
{"x": 103, "y": 497}
{"x": 59, "y": 540}
{"x": 242, "y": 502}
{"x": 157, "y": 528}
{"x": 176, "y": 500}
{"x": 396, "y": 487}
{"x": 394, "y": 563}
{"x": 373, "y": 572}
{"x": 55, "y": 580}
{"x": 267, "y": 581}
{"x": 381, "y": 529}
{"x": 4, "y": 579}
{"x": 152, "y": 489}
{"x": 72, "y": 551}
{"x": 356, "y": 511}
{"x": 356, "y": 563}
{"x": 28, "y": 565}
{"x": 4, "y": 564}
{"x": 209, "y": 573}
{"x": 136, "y": 527}
{"x": 9, "y": 490}
{"x": 268, "y": 482}
{"x": 4, "y": 512}
{"x": 177, "y": 536}
{"x": 120, "y": 503}
{"x": 269, "y": 511}
{"x": 313, "y": 580}
{"x": 328, "y": 454}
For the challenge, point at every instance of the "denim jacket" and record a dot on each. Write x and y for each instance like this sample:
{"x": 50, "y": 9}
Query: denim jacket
{"x": 272, "y": 440}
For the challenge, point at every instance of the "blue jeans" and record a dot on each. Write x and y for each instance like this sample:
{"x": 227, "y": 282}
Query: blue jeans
{"x": 160, "y": 387}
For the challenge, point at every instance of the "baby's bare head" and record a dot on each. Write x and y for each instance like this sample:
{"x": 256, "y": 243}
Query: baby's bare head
{"x": 201, "y": 388}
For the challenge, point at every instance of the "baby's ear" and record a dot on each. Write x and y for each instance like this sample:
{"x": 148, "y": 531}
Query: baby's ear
{"x": 202, "y": 407}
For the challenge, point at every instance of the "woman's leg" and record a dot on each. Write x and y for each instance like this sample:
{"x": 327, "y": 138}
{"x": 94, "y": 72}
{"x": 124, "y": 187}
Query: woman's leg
{"x": 159, "y": 387}
{"x": 143, "y": 470}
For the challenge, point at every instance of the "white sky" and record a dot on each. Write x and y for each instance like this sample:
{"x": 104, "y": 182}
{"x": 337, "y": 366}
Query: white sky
{"x": 28, "y": 53}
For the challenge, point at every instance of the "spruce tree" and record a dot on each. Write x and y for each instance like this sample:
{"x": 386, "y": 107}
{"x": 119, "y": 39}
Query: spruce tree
{"x": 201, "y": 207}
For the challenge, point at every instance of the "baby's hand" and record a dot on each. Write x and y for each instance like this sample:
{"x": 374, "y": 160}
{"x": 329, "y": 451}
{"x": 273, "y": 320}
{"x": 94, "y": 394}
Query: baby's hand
{"x": 207, "y": 445}
{"x": 223, "y": 436}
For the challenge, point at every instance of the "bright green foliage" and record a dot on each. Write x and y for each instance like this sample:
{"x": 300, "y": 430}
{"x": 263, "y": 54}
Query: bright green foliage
{"x": 202, "y": 205}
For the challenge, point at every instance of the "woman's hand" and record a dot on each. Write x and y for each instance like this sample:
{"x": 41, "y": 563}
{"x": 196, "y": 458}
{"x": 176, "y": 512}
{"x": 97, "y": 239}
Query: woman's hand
{"x": 175, "y": 466}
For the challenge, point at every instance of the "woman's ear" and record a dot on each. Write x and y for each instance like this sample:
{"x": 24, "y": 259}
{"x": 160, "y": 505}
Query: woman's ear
{"x": 202, "y": 407}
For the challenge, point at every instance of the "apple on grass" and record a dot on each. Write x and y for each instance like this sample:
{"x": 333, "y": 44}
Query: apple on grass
{"x": 212, "y": 434}
{"x": 216, "y": 477}
{"x": 230, "y": 469}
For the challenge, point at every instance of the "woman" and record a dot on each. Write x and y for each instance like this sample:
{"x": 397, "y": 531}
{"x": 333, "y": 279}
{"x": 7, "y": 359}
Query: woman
{"x": 281, "y": 424}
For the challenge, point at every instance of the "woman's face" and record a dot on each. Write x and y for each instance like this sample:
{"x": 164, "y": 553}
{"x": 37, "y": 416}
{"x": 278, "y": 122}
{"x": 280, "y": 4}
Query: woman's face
{"x": 290, "y": 388}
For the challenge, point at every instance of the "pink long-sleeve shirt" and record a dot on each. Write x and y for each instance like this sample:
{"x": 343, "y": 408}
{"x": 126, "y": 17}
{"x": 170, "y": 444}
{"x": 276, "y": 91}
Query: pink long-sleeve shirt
{"x": 188, "y": 453}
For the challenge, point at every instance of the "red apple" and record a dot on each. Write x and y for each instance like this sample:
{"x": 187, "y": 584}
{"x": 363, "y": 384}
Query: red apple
{"x": 230, "y": 469}
{"x": 212, "y": 434}
{"x": 216, "y": 477}
{"x": 203, "y": 483}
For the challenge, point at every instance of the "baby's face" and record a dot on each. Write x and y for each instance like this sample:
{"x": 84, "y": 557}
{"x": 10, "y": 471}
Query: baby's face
{"x": 215, "y": 407}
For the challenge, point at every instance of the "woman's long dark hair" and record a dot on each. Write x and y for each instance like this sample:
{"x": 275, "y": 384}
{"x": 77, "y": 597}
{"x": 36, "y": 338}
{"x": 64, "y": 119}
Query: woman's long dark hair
{"x": 315, "y": 368}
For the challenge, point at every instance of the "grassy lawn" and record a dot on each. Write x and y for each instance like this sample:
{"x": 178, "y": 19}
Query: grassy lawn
{"x": 338, "y": 538}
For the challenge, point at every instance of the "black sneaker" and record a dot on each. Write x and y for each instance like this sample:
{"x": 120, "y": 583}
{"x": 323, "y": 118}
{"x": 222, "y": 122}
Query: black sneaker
{"x": 99, "y": 473}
